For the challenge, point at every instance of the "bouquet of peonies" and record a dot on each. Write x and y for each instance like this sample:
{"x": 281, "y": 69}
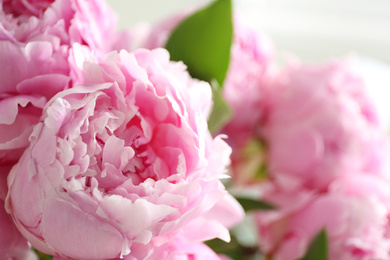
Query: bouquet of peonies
{"x": 131, "y": 144}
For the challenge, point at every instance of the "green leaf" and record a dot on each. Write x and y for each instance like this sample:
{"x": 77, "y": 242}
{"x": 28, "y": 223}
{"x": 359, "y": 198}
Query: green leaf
{"x": 203, "y": 40}
{"x": 251, "y": 204}
{"x": 221, "y": 112}
{"x": 318, "y": 248}
{"x": 221, "y": 247}
{"x": 233, "y": 249}
{"x": 42, "y": 256}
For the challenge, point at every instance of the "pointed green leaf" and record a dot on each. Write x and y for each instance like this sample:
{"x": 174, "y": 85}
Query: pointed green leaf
{"x": 221, "y": 112}
{"x": 221, "y": 247}
{"x": 251, "y": 204}
{"x": 318, "y": 248}
{"x": 203, "y": 40}
{"x": 233, "y": 249}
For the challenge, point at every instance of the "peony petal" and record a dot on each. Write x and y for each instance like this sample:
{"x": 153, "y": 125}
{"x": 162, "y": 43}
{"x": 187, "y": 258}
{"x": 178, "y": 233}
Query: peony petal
{"x": 79, "y": 239}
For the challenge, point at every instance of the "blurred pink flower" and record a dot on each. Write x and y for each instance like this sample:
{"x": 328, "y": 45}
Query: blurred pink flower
{"x": 321, "y": 125}
{"x": 245, "y": 90}
{"x": 355, "y": 213}
{"x": 123, "y": 163}
{"x": 36, "y": 41}
{"x": 244, "y": 87}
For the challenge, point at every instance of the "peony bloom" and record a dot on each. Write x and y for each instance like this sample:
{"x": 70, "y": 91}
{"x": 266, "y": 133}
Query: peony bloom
{"x": 123, "y": 163}
{"x": 355, "y": 213}
{"x": 325, "y": 151}
{"x": 36, "y": 53}
{"x": 13, "y": 246}
{"x": 320, "y": 125}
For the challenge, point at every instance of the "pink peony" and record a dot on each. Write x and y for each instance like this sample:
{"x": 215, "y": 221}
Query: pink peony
{"x": 321, "y": 125}
{"x": 355, "y": 213}
{"x": 36, "y": 53}
{"x": 13, "y": 246}
{"x": 123, "y": 163}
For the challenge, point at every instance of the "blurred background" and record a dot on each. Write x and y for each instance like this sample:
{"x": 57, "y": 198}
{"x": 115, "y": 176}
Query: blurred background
{"x": 313, "y": 30}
